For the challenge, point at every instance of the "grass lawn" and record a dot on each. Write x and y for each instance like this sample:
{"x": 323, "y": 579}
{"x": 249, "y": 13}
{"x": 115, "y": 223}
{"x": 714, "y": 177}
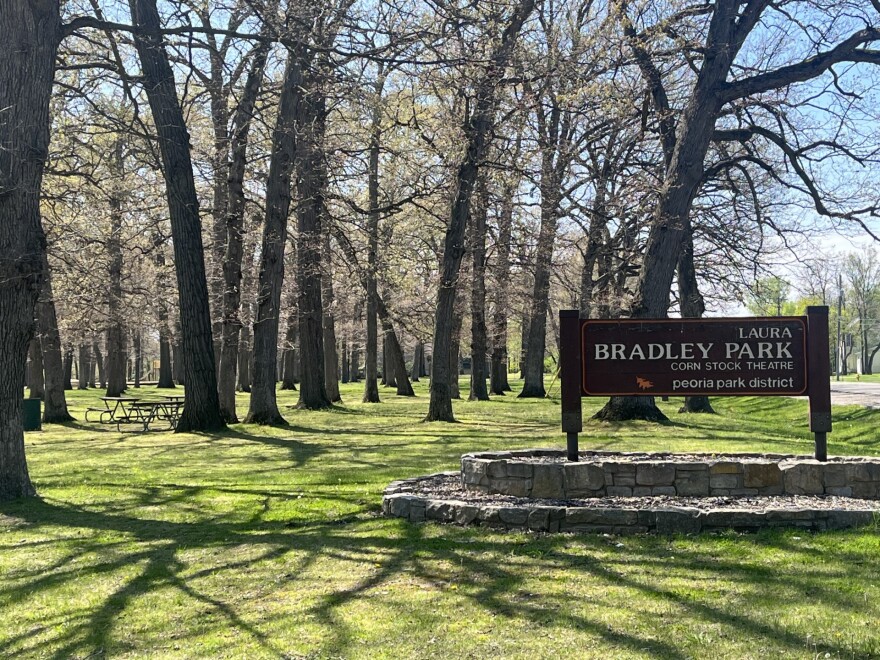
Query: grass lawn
{"x": 852, "y": 378}
{"x": 265, "y": 543}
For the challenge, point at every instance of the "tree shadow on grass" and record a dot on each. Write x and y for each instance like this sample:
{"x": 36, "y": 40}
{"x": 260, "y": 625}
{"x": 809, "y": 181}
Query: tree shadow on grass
{"x": 494, "y": 572}
{"x": 88, "y": 426}
{"x": 299, "y": 452}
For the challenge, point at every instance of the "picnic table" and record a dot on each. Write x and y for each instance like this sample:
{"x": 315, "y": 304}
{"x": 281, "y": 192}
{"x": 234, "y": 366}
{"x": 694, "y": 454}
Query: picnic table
{"x": 113, "y": 406}
{"x": 147, "y": 413}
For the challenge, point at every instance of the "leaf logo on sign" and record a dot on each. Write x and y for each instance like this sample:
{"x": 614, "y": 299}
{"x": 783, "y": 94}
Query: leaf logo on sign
{"x": 644, "y": 383}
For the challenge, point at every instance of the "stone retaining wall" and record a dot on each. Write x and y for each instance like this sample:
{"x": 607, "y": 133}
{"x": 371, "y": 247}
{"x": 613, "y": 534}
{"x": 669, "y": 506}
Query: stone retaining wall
{"x": 400, "y": 502}
{"x": 540, "y": 474}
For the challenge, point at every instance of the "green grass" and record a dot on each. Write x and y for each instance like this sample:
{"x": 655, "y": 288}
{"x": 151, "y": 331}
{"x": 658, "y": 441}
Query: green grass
{"x": 852, "y": 378}
{"x": 266, "y": 543}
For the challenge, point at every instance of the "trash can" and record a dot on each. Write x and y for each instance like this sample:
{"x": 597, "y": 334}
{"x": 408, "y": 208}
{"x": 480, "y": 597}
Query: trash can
{"x": 30, "y": 415}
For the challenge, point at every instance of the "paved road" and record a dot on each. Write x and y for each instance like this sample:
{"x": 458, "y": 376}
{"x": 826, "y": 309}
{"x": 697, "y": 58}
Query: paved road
{"x": 860, "y": 394}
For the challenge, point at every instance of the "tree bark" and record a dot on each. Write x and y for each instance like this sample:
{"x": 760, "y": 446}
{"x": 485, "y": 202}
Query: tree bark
{"x": 499, "y": 383}
{"x": 385, "y": 378}
{"x": 288, "y": 353}
{"x": 166, "y": 381}
{"x": 455, "y": 356}
{"x": 477, "y": 132}
{"x": 479, "y": 339}
{"x": 31, "y": 31}
{"x": 234, "y": 231}
{"x": 245, "y": 347}
{"x": 36, "y": 383}
{"x": 263, "y": 405}
{"x": 68, "y": 368}
{"x": 533, "y": 371}
{"x": 83, "y": 369}
{"x": 220, "y": 168}
{"x": 177, "y": 357}
{"x": 355, "y": 368}
{"x": 202, "y": 410}
{"x": 692, "y": 307}
{"x": 670, "y": 226}
{"x": 371, "y": 349}
{"x": 138, "y": 357}
{"x": 346, "y": 368}
{"x": 396, "y": 364}
{"x": 311, "y": 180}
{"x": 115, "y": 340}
{"x": 99, "y": 364}
{"x": 331, "y": 357}
{"x": 54, "y": 402}
{"x": 418, "y": 360}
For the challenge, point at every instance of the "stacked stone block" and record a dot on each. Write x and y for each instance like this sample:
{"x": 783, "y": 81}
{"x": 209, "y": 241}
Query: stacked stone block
{"x": 539, "y": 474}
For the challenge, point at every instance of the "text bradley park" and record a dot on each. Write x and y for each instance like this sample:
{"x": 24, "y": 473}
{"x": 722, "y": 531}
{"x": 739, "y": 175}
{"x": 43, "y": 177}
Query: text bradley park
{"x": 756, "y": 356}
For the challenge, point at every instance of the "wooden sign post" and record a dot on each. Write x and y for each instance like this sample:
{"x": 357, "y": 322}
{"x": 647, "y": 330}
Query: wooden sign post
{"x": 770, "y": 356}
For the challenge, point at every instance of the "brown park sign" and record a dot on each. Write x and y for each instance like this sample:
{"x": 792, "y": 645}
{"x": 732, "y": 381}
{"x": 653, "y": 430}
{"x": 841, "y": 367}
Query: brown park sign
{"x": 778, "y": 356}
{"x": 688, "y": 357}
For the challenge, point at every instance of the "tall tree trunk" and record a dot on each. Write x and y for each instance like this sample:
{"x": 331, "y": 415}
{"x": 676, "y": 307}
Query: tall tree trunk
{"x": 83, "y": 368}
{"x": 246, "y": 342}
{"x": 245, "y": 357}
{"x": 166, "y": 380}
{"x": 234, "y": 230}
{"x": 68, "y": 369}
{"x": 371, "y": 349}
{"x": 55, "y": 403}
{"x": 36, "y": 383}
{"x": 99, "y": 363}
{"x": 479, "y": 339}
{"x": 331, "y": 357}
{"x": 202, "y": 410}
{"x": 692, "y": 307}
{"x": 523, "y": 339}
{"x": 311, "y": 182}
{"x": 346, "y": 369}
{"x": 288, "y": 353}
{"x": 138, "y": 357}
{"x": 93, "y": 359}
{"x": 177, "y": 357}
{"x": 115, "y": 339}
{"x": 498, "y": 381}
{"x": 166, "y": 373}
{"x": 31, "y": 31}
{"x": 263, "y": 405}
{"x": 670, "y": 226}
{"x": 455, "y": 356}
{"x": 219, "y": 104}
{"x": 396, "y": 365}
{"x": 478, "y": 132}
{"x": 598, "y": 222}
{"x": 418, "y": 360}
{"x": 533, "y": 371}
{"x": 355, "y": 368}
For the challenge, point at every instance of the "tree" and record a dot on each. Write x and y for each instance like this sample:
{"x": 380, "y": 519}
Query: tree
{"x": 202, "y": 410}
{"x": 862, "y": 272}
{"x": 688, "y": 132}
{"x": 263, "y": 405}
{"x": 770, "y": 297}
{"x": 31, "y": 31}
{"x": 55, "y": 408}
{"x": 478, "y": 133}
{"x": 235, "y": 230}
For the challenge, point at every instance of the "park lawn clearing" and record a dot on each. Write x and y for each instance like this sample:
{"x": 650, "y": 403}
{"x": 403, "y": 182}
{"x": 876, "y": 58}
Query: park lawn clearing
{"x": 265, "y": 542}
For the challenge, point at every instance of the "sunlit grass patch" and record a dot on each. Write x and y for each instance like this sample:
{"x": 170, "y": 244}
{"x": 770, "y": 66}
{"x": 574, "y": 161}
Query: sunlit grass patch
{"x": 266, "y": 543}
